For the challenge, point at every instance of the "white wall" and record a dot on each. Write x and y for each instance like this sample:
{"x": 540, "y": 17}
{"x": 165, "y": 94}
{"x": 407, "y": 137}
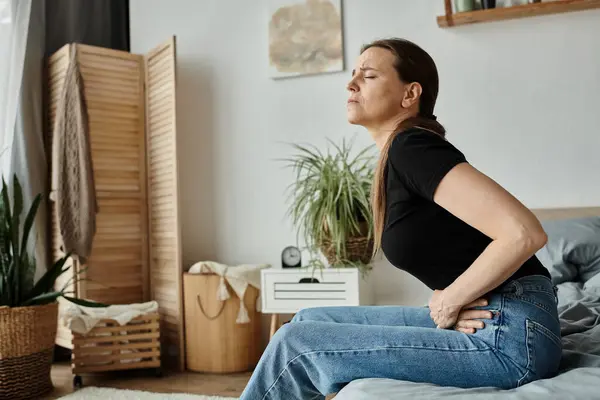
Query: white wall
{"x": 521, "y": 98}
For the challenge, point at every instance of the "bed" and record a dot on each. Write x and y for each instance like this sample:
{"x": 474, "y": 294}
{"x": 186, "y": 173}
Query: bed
{"x": 572, "y": 256}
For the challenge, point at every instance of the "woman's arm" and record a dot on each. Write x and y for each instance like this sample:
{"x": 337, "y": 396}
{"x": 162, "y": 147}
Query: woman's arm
{"x": 515, "y": 231}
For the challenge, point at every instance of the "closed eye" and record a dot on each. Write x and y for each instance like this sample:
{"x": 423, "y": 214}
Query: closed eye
{"x": 370, "y": 77}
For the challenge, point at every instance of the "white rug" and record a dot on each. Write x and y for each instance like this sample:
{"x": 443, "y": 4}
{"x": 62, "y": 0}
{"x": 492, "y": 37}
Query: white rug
{"x": 96, "y": 393}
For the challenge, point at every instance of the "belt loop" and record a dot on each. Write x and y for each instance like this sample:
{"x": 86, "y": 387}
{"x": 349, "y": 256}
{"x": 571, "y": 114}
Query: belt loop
{"x": 555, "y": 289}
{"x": 518, "y": 288}
{"x": 509, "y": 287}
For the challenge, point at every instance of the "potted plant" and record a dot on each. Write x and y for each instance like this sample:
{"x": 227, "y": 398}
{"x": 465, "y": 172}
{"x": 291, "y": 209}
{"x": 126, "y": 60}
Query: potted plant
{"x": 28, "y": 309}
{"x": 329, "y": 203}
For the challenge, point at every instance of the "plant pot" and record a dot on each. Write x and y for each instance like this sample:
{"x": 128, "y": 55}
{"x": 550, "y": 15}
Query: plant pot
{"x": 358, "y": 249}
{"x": 487, "y": 4}
{"x": 27, "y": 336}
{"x": 464, "y": 5}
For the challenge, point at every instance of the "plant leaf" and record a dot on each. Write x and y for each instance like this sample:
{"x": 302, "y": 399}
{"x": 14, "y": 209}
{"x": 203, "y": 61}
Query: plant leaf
{"x": 18, "y": 197}
{"x": 27, "y": 276}
{"x": 8, "y": 266}
{"x": 29, "y": 220}
{"x": 43, "y": 298}
{"x": 27, "y": 263}
{"x": 14, "y": 234}
{"x": 85, "y": 303}
{"x": 5, "y": 289}
{"x": 46, "y": 282}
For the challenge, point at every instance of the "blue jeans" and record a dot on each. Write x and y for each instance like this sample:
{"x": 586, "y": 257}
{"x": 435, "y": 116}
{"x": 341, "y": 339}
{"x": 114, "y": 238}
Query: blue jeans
{"x": 324, "y": 348}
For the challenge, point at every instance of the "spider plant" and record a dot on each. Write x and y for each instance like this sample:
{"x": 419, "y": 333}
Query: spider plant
{"x": 17, "y": 267}
{"x": 329, "y": 201}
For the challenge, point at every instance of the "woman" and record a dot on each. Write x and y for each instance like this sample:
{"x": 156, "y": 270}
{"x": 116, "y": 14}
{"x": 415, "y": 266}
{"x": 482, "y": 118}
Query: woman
{"x": 492, "y": 319}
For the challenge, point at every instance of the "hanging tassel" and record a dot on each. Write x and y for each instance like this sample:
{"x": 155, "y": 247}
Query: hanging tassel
{"x": 222, "y": 292}
{"x": 242, "y": 317}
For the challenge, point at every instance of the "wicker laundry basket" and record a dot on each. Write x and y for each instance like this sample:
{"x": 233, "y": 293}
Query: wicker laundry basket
{"x": 215, "y": 342}
{"x": 27, "y": 336}
{"x": 110, "y": 346}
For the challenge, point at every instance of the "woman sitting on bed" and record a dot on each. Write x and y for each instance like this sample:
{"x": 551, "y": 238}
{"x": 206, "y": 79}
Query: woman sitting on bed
{"x": 492, "y": 319}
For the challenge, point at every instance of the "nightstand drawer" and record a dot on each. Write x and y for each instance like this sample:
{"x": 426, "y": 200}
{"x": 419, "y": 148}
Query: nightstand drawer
{"x": 283, "y": 292}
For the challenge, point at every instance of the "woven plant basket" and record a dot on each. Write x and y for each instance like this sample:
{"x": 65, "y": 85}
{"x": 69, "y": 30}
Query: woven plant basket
{"x": 27, "y": 336}
{"x": 358, "y": 248}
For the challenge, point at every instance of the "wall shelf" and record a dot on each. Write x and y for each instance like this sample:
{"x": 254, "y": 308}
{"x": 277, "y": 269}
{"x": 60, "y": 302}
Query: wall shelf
{"x": 521, "y": 11}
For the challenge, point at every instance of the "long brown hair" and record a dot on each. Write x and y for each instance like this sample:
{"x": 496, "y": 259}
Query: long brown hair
{"x": 413, "y": 64}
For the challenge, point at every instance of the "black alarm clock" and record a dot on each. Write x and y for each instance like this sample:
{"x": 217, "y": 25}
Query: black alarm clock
{"x": 291, "y": 257}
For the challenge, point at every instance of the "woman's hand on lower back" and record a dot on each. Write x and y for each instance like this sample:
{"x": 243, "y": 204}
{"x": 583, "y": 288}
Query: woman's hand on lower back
{"x": 464, "y": 319}
{"x": 469, "y": 319}
{"x": 443, "y": 314}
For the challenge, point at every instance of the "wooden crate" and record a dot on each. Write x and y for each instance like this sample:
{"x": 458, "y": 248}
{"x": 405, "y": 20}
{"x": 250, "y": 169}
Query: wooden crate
{"x": 110, "y": 346}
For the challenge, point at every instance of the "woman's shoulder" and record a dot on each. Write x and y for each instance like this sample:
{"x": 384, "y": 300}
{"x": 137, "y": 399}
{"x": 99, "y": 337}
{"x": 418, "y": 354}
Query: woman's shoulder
{"x": 418, "y": 146}
{"x": 421, "y": 158}
{"x": 418, "y": 134}
{"x": 416, "y": 138}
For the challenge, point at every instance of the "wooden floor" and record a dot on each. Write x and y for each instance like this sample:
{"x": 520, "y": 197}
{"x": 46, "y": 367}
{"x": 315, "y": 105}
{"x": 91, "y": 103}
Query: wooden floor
{"x": 230, "y": 385}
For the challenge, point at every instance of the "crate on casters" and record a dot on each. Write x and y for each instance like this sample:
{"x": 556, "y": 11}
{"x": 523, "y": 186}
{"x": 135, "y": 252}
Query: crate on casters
{"x": 111, "y": 344}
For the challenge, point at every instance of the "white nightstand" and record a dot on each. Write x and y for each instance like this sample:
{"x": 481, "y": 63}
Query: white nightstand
{"x": 282, "y": 292}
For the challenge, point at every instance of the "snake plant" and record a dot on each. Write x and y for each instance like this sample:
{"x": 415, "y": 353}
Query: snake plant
{"x": 330, "y": 197}
{"x": 17, "y": 267}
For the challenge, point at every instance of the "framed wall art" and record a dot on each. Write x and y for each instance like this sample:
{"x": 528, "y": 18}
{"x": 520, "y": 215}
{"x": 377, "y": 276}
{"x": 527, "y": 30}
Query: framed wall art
{"x": 305, "y": 37}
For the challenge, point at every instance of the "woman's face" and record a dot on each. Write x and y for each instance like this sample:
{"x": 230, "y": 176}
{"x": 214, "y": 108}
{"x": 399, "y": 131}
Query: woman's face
{"x": 377, "y": 95}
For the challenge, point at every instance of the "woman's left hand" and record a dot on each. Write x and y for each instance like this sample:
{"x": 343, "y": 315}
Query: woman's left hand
{"x": 444, "y": 315}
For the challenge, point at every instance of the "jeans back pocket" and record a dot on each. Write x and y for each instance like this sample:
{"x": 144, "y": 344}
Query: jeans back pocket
{"x": 544, "y": 350}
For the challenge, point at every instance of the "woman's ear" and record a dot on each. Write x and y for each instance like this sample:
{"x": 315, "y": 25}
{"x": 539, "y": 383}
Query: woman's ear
{"x": 412, "y": 94}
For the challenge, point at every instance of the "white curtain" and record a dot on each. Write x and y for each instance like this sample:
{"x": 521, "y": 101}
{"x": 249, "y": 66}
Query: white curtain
{"x": 22, "y": 27}
{"x": 14, "y": 24}
{"x": 29, "y": 160}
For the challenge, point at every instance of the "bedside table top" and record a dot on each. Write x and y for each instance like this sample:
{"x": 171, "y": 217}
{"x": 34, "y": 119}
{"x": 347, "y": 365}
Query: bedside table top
{"x": 310, "y": 270}
{"x": 287, "y": 291}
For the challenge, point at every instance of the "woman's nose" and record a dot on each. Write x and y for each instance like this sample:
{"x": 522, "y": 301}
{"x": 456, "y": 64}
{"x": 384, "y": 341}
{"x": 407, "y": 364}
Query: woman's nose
{"x": 351, "y": 86}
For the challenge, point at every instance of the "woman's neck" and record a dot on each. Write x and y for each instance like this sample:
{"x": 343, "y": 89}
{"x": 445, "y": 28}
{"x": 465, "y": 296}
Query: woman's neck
{"x": 381, "y": 132}
{"x": 381, "y": 138}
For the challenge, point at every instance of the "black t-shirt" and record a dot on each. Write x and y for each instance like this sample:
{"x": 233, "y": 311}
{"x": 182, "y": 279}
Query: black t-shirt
{"x": 421, "y": 237}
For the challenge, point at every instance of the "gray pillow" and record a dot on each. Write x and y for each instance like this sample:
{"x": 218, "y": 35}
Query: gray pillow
{"x": 572, "y": 253}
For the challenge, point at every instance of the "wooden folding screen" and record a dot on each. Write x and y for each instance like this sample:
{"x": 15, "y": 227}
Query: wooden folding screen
{"x": 136, "y": 255}
{"x": 164, "y": 229}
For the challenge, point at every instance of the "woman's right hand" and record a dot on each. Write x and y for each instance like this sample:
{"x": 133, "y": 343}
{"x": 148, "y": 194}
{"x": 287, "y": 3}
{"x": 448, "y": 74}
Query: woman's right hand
{"x": 469, "y": 320}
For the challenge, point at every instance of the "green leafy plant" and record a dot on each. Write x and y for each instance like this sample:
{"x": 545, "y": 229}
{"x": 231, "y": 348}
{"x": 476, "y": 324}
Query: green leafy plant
{"x": 329, "y": 201}
{"x": 17, "y": 267}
